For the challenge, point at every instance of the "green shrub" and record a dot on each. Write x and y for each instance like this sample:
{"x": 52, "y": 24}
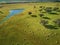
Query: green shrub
{"x": 41, "y": 15}
{"x": 55, "y": 8}
{"x": 33, "y": 16}
{"x": 48, "y": 9}
{"x": 50, "y": 27}
{"x": 44, "y": 22}
{"x": 1, "y": 12}
{"x": 57, "y": 22}
{"x": 29, "y": 13}
{"x": 46, "y": 17}
{"x": 54, "y": 13}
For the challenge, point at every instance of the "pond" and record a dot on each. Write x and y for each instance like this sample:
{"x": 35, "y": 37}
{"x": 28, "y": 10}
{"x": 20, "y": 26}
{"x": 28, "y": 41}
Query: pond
{"x": 15, "y": 11}
{"x": 12, "y": 13}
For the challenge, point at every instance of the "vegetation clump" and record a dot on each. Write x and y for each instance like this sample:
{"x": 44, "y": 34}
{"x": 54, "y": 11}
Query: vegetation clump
{"x": 46, "y": 17}
{"x": 29, "y": 13}
{"x": 42, "y": 6}
{"x": 1, "y": 12}
{"x": 58, "y": 10}
{"x": 54, "y": 13}
{"x": 44, "y": 22}
{"x": 48, "y": 10}
{"x": 50, "y": 27}
{"x": 33, "y": 16}
{"x": 57, "y": 22}
{"x": 40, "y": 10}
{"x": 34, "y": 6}
{"x": 41, "y": 15}
{"x": 55, "y": 8}
{"x": 1, "y": 6}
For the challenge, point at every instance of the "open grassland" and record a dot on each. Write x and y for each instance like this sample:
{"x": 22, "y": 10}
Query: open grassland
{"x": 31, "y": 27}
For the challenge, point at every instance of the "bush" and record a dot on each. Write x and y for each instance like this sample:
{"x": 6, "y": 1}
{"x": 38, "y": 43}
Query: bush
{"x": 50, "y": 27}
{"x": 41, "y": 6}
{"x": 1, "y": 6}
{"x": 46, "y": 18}
{"x": 58, "y": 10}
{"x": 1, "y": 12}
{"x": 57, "y": 22}
{"x": 29, "y": 13}
{"x": 54, "y": 13}
{"x": 41, "y": 15}
{"x": 33, "y": 15}
{"x": 48, "y": 9}
{"x": 40, "y": 9}
{"x": 55, "y": 8}
{"x": 44, "y": 22}
{"x": 34, "y": 6}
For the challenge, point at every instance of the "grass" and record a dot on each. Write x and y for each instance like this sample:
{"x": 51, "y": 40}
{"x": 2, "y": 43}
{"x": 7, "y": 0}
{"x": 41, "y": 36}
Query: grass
{"x": 22, "y": 29}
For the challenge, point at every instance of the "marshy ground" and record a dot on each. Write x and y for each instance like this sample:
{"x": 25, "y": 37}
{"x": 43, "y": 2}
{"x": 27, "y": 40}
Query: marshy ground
{"x": 38, "y": 24}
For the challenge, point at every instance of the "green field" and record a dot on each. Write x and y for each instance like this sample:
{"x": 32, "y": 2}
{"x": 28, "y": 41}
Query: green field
{"x": 36, "y": 25}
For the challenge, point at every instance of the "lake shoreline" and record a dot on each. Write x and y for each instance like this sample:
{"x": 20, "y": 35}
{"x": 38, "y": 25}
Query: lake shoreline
{"x": 24, "y": 2}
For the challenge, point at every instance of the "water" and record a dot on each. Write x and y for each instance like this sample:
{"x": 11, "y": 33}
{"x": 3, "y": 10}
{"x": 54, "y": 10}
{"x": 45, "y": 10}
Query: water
{"x": 12, "y": 13}
{"x": 28, "y": 0}
{"x": 15, "y": 11}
